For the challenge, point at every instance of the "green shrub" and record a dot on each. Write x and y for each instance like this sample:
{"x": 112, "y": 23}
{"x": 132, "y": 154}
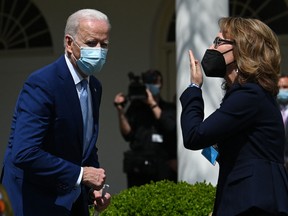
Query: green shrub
{"x": 163, "y": 198}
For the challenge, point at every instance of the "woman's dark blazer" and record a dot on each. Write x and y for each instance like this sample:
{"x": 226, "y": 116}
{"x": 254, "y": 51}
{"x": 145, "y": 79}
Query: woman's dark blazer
{"x": 248, "y": 129}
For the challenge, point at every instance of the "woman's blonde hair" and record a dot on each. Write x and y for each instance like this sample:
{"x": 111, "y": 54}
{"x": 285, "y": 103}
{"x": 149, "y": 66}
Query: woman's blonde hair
{"x": 256, "y": 51}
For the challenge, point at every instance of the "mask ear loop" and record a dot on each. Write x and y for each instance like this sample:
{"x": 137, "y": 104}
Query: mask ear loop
{"x": 74, "y": 41}
{"x": 236, "y": 70}
{"x": 227, "y": 51}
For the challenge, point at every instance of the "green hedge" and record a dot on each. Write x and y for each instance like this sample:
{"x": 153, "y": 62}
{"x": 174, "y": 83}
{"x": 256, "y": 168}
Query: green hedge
{"x": 163, "y": 198}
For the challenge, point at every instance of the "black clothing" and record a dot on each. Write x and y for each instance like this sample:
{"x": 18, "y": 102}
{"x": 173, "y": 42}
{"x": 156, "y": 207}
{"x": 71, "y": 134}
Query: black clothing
{"x": 152, "y": 143}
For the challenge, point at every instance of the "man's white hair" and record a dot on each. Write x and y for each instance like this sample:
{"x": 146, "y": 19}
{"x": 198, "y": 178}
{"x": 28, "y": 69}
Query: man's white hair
{"x": 74, "y": 19}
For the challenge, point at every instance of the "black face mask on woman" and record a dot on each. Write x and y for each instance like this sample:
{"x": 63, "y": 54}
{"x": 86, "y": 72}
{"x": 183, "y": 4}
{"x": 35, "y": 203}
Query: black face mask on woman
{"x": 213, "y": 63}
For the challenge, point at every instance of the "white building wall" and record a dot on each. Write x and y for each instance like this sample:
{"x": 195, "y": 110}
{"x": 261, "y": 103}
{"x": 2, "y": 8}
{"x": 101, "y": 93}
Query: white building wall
{"x": 131, "y": 42}
{"x": 134, "y": 47}
{"x": 196, "y": 28}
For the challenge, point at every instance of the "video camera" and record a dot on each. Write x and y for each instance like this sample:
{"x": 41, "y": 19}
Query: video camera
{"x": 136, "y": 88}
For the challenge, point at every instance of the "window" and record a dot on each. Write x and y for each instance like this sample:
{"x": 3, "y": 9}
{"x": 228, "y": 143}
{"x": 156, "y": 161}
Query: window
{"x": 22, "y": 26}
{"x": 172, "y": 29}
{"x": 273, "y": 13}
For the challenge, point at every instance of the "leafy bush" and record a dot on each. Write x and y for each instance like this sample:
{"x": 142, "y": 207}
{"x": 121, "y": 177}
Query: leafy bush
{"x": 163, "y": 198}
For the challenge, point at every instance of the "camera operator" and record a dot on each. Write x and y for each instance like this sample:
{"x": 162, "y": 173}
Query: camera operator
{"x": 149, "y": 125}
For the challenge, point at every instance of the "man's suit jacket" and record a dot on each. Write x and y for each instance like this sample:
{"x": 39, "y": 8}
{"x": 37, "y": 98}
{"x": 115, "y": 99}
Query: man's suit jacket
{"x": 286, "y": 145}
{"x": 249, "y": 132}
{"x": 44, "y": 154}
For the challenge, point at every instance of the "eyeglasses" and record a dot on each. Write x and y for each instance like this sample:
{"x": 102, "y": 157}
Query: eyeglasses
{"x": 219, "y": 41}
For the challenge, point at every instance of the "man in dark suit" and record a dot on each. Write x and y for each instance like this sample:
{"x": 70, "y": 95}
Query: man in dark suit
{"x": 51, "y": 165}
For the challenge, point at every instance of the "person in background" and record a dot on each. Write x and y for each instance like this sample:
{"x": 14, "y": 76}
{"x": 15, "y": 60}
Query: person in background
{"x": 51, "y": 164}
{"x": 149, "y": 125}
{"x": 282, "y": 98}
{"x": 247, "y": 127}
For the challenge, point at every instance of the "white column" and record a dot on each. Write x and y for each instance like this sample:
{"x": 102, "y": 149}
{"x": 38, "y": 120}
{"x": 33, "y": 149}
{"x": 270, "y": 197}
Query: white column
{"x": 196, "y": 28}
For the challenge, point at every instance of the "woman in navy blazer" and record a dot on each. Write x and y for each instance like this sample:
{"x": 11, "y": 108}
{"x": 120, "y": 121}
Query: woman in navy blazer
{"x": 47, "y": 170}
{"x": 247, "y": 128}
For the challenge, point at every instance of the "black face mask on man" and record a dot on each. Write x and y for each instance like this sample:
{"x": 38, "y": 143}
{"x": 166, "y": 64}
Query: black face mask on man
{"x": 213, "y": 63}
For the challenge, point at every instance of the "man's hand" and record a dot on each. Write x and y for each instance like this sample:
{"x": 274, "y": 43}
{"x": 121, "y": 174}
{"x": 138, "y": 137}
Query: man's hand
{"x": 93, "y": 177}
{"x": 100, "y": 200}
{"x": 150, "y": 99}
{"x": 120, "y": 101}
